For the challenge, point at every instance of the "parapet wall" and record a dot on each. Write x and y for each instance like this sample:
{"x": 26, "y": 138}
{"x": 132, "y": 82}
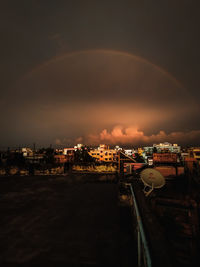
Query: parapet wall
{"x": 95, "y": 168}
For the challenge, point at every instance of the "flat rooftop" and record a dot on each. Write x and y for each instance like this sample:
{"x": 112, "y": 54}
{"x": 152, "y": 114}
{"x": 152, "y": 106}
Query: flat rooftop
{"x": 63, "y": 221}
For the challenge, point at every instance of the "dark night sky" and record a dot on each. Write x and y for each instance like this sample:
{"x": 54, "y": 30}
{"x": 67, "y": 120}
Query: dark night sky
{"x": 49, "y": 95}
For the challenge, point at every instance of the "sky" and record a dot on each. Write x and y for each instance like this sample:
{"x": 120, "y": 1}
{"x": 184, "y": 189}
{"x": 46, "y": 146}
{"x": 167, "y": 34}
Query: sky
{"x": 116, "y": 72}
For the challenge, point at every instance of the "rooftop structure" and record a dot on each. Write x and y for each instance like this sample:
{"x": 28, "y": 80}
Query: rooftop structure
{"x": 68, "y": 151}
{"x": 118, "y": 148}
{"x": 27, "y": 151}
{"x": 78, "y": 146}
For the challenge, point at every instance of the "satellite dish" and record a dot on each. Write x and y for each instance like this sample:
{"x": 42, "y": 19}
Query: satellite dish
{"x": 151, "y": 179}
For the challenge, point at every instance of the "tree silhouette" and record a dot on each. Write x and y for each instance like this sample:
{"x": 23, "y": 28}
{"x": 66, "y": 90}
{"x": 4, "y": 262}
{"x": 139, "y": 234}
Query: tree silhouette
{"x": 82, "y": 155}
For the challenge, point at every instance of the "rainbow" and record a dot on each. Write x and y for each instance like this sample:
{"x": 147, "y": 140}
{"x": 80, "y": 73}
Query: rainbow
{"x": 104, "y": 51}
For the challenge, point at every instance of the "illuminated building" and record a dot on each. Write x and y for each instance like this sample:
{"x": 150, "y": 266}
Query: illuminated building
{"x": 167, "y": 147}
{"x": 103, "y": 153}
{"x": 118, "y": 148}
{"x": 140, "y": 151}
{"x": 78, "y": 146}
{"x": 27, "y": 151}
{"x": 128, "y": 152}
{"x": 69, "y": 154}
{"x": 60, "y": 158}
{"x": 68, "y": 151}
{"x": 103, "y": 147}
{"x": 194, "y": 152}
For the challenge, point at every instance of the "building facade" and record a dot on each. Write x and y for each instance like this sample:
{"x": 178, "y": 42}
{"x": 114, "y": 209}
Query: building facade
{"x": 104, "y": 153}
{"x": 194, "y": 152}
{"x": 167, "y": 147}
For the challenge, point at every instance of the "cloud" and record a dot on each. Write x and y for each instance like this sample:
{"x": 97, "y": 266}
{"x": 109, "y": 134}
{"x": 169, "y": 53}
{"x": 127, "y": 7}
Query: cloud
{"x": 85, "y": 92}
{"x": 58, "y": 141}
{"x": 132, "y": 135}
{"x": 63, "y": 142}
{"x": 79, "y": 140}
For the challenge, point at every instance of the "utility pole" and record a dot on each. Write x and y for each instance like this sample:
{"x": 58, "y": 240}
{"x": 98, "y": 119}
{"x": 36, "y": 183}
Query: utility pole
{"x": 119, "y": 162}
{"x": 34, "y": 147}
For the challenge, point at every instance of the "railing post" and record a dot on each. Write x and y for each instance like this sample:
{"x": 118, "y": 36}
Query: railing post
{"x": 142, "y": 242}
{"x": 139, "y": 246}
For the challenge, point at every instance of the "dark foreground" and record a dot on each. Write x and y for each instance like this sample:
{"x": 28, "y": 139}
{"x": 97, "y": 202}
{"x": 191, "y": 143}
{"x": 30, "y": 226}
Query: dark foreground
{"x": 63, "y": 221}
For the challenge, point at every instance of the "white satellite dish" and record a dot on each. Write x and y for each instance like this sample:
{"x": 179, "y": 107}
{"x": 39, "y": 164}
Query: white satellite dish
{"x": 151, "y": 179}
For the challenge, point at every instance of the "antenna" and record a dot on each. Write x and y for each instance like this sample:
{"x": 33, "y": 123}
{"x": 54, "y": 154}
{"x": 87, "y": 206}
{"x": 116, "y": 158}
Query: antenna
{"x": 151, "y": 179}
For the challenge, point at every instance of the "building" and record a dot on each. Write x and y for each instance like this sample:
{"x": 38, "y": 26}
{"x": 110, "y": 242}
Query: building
{"x": 36, "y": 158}
{"x": 194, "y": 152}
{"x": 104, "y": 153}
{"x": 148, "y": 150}
{"x": 69, "y": 154}
{"x": 167, "y": 147}
{"x": 159, "y": 158}
{"x": 69, "y": 151}
{"x": 26, "y": 151}
{"x": 58, "y": 151}
{"x": 184, "y": 155}
{"x": 78, "y": 146}
{"x": 140, "y": 151}
{"x": 60, "y": 158}
{"x": 129, "y": 152}
{"x": 118, "y": 148}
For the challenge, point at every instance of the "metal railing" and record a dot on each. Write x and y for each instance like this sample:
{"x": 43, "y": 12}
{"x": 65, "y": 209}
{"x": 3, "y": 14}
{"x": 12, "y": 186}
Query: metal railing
{"x": 142, "y": 244}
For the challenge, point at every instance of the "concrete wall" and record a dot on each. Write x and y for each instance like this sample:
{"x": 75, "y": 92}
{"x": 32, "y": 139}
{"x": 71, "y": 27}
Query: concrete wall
{"x": 167, "y": 171}
{"x": 17, "y": 171}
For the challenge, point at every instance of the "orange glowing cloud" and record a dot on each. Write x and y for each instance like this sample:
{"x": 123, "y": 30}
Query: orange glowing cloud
{"x": 132, "y": 135}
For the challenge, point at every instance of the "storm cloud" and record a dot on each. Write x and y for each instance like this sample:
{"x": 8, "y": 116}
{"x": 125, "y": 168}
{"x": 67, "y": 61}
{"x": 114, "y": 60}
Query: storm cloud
{"x": 84, "y": 92}
{"x": 134, "y": 137}
{"x": 70, "y": 69}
